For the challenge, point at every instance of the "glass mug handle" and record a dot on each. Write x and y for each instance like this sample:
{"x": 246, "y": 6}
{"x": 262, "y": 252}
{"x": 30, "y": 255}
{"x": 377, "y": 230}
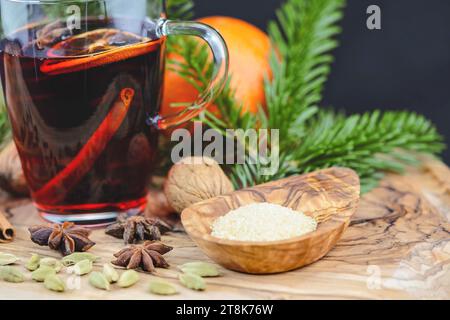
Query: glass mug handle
{"x": 219, "y": 76}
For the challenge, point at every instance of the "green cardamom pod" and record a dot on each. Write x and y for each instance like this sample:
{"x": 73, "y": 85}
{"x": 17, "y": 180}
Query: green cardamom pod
{"x": 83, "y": 267}
{"x": 76, "y": 257}
{"x": 110, "y": 273}
{"x": 192, "y": 281}
{"x": 7, "y": 258}
{"x": 33, "y": 263}
{"x": 98, "y": 280}
{"x": 55, "y": 283}
{"x": 128, "y": 278}
{"x": 162, "y": 287}
{"x": 51, "y": 262}
{"x": 10, "y": 274}
{"x": 202, "y": 269}
{"x": 42, "y": 272}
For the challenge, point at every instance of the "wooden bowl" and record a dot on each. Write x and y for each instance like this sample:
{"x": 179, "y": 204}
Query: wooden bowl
{"x": 331, "y": 196}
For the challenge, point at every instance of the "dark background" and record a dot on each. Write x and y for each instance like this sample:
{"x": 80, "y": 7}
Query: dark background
{"x": 406, "y": 65}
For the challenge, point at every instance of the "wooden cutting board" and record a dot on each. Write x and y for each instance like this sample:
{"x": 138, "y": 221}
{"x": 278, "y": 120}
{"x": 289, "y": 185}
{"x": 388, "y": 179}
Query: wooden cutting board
{"x": 398, "y": 247}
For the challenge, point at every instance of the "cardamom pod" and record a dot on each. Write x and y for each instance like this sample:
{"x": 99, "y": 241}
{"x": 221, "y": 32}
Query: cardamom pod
{"x": 128, "y": 278}
{"x": 83, "y": 267}
{"x": 51, "y": 262}
{"x": 33, "y": 263}
{"x": 98, "y": 280}
{"x": 76, "y": 257}
{"x": 42, "y": 272}
{"x": 7, "y": 258}
{"x": 55, "y": 283}
{"x": 110, "y": 273}
{"x": 162, "y": 287}
{"x": 192, "y": 281}
{"x": 9, "y": 274}
{"x": 202, "y": 269}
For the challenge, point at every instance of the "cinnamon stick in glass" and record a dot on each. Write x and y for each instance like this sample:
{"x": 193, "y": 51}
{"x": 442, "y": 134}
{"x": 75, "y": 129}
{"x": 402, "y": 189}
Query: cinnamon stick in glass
{"x": 56, "y": 189}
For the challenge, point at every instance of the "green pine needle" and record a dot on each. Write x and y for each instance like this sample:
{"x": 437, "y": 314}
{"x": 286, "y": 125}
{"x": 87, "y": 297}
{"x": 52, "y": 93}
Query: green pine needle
{"x": 180, "y": 9}
{"x": 370, "y": 143}
{"x": 5, "y": 129}
{"x": 303, "y": 37}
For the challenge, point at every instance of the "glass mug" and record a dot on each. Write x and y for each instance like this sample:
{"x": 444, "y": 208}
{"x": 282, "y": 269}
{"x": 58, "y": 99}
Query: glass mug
{"x": 82, "y": 82}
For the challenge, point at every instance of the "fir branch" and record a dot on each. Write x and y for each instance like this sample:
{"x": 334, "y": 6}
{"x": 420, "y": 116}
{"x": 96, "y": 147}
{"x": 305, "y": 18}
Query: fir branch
{"x": 371, "y": 143}
{"x": 310, "y": 138}
{"x": 303, "y": 36}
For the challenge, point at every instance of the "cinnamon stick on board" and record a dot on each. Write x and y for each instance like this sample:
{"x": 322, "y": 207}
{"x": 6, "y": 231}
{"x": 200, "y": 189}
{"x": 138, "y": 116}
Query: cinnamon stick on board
{"x": 6, "y": 229}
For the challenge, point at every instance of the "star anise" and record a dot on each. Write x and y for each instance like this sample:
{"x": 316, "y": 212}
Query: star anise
{"x": 148, "y": 256}
{"x": 67, "y": 237}
{"x": 137, "y": 228}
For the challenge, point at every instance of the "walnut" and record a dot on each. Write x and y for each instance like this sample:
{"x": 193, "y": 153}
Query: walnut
{"x": 12, "y": 178}
{"x": 195, "y": 179}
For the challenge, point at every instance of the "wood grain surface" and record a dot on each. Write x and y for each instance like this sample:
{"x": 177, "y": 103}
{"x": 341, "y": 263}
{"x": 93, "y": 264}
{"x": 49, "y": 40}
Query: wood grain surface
{"x": 397, "y": 247}
{"x": 331, "y": 196}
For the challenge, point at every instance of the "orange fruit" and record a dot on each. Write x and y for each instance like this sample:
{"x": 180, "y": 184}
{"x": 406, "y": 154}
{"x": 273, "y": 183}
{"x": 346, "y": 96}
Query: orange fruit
{"x": 249, "y": 50}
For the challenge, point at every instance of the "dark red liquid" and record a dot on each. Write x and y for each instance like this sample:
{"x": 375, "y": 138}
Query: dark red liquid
{"x": 80, "y": 129}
